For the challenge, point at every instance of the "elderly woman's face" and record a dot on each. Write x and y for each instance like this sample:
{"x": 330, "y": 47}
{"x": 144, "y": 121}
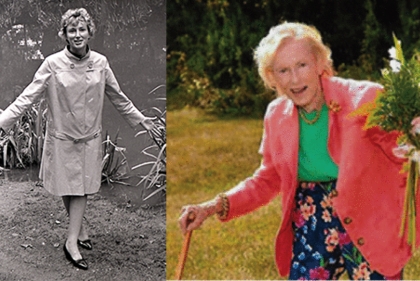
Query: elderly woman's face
{"x": 77, "y": 34}
{"x": 296, "y": 74}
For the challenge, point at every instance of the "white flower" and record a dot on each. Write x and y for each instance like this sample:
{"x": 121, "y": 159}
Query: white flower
{"x": 393, "y": 53}
{"x": 415, "y": 156}
{"x": 395, "y": 66}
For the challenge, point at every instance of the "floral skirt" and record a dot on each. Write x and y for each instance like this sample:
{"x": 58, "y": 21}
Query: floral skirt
{"x": 322, "y": 249}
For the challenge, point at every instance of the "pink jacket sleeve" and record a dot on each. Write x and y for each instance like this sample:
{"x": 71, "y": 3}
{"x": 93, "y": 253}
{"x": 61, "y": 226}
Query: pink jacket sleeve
{"x": 261, "y": 188}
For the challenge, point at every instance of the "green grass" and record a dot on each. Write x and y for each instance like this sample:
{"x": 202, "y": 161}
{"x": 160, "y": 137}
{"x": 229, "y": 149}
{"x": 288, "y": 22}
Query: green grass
{"x": 208, "y": 155}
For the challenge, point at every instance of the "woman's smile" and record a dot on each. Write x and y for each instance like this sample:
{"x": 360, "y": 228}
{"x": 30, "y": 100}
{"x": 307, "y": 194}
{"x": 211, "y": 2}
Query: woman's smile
{"x": 296, "y": 74}
{"x": 78, "y": 37}
{"x": 297, "y": 91}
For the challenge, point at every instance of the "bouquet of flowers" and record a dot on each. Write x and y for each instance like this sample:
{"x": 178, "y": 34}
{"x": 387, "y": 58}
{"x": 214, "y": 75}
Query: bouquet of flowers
{"x": 394, "y": 109}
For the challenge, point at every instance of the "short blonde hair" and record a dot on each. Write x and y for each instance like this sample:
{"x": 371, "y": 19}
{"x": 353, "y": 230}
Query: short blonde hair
{"x": 264, "y": 53}
{"x": 73, "y": 15}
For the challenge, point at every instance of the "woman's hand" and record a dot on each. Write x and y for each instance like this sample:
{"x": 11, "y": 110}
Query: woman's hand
{"x": 403, "y": 151}
{"x": 193, "y": 216}
{"x": 148, "y": 123}
{"x": 151, "y": 125}
{"x": 416, "y": 126}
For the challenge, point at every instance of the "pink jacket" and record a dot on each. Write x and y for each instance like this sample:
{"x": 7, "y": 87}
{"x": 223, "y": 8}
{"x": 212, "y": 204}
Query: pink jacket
{"x": 370, "y": 187}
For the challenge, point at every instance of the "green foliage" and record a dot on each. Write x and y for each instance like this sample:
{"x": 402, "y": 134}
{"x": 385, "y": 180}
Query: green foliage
{"x": 363, "y": 69}
{"x": 393, "y": 109}
{"x": 210, "y": 64}
{"x": 373, "y": 36}
{"x": 399, "y": 104}
{"x": 211, "y": 42}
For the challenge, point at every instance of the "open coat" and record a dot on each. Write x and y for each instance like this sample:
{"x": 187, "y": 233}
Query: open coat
{"x": 370, "y": 187}
{"x": 74, "y": 89}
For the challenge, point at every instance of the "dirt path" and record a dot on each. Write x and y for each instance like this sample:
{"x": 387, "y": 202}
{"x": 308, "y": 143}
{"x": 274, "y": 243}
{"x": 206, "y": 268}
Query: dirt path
{"x": 128, "y": 244}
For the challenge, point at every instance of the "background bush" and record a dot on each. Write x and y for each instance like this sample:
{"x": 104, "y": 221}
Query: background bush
{"x": 210, "y": 44}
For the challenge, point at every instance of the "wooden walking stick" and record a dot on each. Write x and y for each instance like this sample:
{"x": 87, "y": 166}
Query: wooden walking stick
{"x": 184, "y": 251}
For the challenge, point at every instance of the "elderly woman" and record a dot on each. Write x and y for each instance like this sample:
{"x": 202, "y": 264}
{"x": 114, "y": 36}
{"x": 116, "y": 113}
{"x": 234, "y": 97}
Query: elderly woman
{"x": 342, "y": 193}
{"x": 74, "y": 82}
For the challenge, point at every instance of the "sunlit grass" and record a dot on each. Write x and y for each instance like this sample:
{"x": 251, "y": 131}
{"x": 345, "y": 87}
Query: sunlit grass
{"x": 207, "y": 155}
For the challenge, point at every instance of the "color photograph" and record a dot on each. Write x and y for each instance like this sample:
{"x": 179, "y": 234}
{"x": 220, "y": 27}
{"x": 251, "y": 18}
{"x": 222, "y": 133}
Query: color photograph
{"x": 293, "y": 138}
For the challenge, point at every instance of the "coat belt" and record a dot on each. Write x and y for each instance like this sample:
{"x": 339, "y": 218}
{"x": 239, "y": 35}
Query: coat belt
{"x": 64, "y": 136}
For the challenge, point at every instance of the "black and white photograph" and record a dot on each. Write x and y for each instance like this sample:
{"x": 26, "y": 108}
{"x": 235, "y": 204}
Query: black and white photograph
{"x": 83, "y": 140}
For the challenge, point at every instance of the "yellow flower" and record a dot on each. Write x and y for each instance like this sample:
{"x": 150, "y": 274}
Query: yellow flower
{"x": 385, "y": 72}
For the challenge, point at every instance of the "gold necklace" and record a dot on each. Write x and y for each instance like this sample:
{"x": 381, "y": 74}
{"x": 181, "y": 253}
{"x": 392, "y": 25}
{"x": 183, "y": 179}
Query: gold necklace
{"x": 306, "y": 120}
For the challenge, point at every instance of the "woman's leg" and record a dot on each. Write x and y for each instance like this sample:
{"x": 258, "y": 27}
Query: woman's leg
{"x": 83, "y": 235}
{"x": 66, "y": 201}
{"x": 76, "y": 206}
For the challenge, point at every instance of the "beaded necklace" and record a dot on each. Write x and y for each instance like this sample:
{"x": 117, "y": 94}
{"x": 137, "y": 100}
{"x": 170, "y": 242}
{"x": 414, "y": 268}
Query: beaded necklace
{"x": 306, "y": 120}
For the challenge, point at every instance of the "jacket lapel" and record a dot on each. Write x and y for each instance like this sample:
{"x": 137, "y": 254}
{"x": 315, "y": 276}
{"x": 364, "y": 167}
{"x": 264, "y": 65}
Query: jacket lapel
{"x": 287, "y": 141}
{"x": 332, "y": 98}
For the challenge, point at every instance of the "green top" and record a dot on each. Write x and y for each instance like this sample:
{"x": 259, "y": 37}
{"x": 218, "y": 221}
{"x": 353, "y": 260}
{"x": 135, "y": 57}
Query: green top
{"x": 314, "y": 162}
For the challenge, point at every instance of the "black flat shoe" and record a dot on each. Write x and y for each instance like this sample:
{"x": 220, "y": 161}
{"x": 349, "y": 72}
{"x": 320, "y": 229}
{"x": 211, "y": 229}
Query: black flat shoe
{"x": 82, "y": 264}
{"x": 86, "y": 244}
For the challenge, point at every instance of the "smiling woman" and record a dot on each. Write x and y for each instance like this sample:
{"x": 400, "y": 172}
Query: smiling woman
{"x": 74, "y": 83}
{"x": 326, "y": 167}
{"x": 78, "y": 37}
{"x": 296, "y": 74}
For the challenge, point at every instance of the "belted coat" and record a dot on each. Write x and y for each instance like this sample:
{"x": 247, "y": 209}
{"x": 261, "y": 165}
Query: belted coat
{"x": 74, "y": 89}
{"x": 370, "y": 187}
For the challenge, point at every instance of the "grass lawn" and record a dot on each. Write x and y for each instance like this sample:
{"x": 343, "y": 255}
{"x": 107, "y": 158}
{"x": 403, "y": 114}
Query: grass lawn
{"x": 208, "y": 155}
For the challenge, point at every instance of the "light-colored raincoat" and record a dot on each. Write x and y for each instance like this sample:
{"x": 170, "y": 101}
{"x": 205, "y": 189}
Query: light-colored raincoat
{"x": 74, "y": 89}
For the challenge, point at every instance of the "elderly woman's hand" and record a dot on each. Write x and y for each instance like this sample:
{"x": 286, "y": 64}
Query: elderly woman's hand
{"x": 416, "y": 126}
{"x": 193, "y": 216}
{"x": 404, "y": 151}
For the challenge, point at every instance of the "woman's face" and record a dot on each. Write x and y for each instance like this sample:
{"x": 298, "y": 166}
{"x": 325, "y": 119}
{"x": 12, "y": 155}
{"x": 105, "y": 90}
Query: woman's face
{"x": 296, "y": 73}
{"x": 77, "y": 34}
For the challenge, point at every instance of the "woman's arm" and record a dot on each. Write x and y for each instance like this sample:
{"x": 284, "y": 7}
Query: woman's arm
{"x": 30, "y": 95}
{"x": 122, "y": 103}
{"x": 193, "y": 216}
{"x": 244, "y": 198}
